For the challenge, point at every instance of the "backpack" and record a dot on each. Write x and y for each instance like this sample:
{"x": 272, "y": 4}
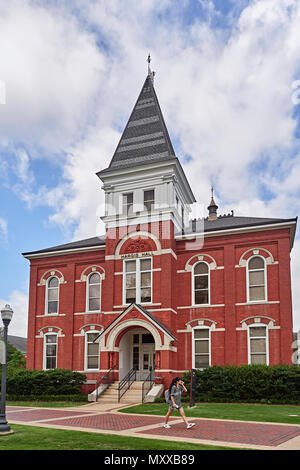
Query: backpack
{"x": 167, "y": 396}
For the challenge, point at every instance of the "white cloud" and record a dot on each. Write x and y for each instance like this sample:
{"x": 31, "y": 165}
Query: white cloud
{"x": 3, "y": 228}
{"x": 19, "y": 303}
{"x": 52, "y": 70}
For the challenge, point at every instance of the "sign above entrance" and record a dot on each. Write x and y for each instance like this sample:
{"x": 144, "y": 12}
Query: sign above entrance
{"x": 137, "y": 255}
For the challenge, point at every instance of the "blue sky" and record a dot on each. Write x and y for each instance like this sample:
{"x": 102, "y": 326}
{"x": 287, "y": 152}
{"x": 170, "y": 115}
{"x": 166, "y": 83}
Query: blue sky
{"x": 226, "y": 75}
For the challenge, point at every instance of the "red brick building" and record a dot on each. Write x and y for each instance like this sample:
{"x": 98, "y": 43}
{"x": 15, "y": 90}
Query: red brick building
{"x": 160, "y": 290}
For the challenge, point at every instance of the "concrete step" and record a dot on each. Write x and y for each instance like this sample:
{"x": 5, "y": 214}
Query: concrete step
{"x": 132, "y": 395}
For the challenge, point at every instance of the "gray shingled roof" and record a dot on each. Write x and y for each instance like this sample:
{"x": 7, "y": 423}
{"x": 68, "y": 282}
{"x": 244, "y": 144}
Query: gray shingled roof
{"x": 145, "y": 138}
{"x": 229, "y": 222}
{"x": 86, "y": 243}
{"x": 221, "y": 223}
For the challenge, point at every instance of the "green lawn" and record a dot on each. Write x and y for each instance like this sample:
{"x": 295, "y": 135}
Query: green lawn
{"x": 37, "y": 438}
{"x": 234, "y": 411}
{"x": 46, "y": 404}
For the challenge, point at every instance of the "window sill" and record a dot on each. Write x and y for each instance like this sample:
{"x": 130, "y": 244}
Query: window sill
{"x": 258, "y": 302}
{"x": 51, "y": 315}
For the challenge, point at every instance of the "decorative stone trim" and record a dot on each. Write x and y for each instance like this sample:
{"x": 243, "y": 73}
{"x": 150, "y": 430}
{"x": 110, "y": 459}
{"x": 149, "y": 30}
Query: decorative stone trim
{"x": 256, "y": 251}
{"x": 49, "y": 273}
{"x": 200, "y": 257}
{"x": 138, "y": 234}
{"x": 270, "y": 322}
{"x": 50, "y": 329}
{"x": 89, "y": 270}
{"x": 201, "y": 322}
{"x": 91, "y": 326}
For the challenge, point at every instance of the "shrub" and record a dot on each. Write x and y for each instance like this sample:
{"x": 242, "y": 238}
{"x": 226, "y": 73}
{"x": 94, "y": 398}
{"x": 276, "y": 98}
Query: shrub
{"x": 50, "y": 382}
{"x": 38, "y": 398}
{"x": 248, "y": 383}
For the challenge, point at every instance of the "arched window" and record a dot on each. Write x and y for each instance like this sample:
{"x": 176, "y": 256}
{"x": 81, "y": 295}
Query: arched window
{"x": 52, "y": 295}
{"x": 256, "y": 279}
{"x": 201, "y": 284}
{"x": 50, "y": 351}
{"x": 93, "y": 292}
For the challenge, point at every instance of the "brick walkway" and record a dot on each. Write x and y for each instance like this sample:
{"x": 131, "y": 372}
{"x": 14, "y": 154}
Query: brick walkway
{"x": 208, "y": 431}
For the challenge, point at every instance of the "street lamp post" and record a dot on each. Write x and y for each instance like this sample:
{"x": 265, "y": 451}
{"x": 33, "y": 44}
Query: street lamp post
{"x": 6, "y": 315}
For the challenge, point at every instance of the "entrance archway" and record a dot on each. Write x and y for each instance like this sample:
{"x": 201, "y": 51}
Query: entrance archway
{"x": 136, "y": 349}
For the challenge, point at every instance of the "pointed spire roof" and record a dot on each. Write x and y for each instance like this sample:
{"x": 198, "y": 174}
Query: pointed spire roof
{"x": 212, "y": 208}
{"x": 145, "y": 138}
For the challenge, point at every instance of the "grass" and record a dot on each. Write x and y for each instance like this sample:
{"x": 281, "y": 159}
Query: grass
{"x": 231, "y": 411}
{"x": 38, "y": 438}
{"x": 46, "y": 404}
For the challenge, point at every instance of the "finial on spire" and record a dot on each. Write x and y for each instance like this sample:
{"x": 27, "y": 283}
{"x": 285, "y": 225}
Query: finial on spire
{"x": 212, "y": 208}
{"x": 150, "y": 73}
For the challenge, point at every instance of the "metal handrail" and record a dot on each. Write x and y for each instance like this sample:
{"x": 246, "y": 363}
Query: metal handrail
{"x": 151, "y": 379}
{"x": 126, "y": 382}
{"x": 108, "y": 378}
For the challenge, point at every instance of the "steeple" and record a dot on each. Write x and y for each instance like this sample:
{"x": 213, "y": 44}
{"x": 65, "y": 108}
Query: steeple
{"x": 212, "y": 208}
{"x": 145, "y": 182}
{"x": 145, "y": 138}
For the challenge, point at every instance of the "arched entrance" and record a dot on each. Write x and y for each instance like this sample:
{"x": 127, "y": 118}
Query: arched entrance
{"x": 136, "y": 349}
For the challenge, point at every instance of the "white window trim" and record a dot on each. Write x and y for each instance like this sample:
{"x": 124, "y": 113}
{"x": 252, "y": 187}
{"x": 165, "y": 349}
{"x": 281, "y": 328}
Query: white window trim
{"x": 193, "y": 345}
{"x": 46, "y": 296}
{"x": 193, "y": 285}
{"x": 87, "y": 293}
{"x": 86, "y": 368}
{"x": 256, "y": 325}
{"x": 138, "y": 281}
{"x": 265, "y": 280}
{"x": 44, "y": 350}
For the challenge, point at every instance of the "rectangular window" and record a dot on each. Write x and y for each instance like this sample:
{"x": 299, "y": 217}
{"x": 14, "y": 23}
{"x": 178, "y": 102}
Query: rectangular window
{"x": 201, "y": 338}
{"x": 128, "y": 204}
{"x": 50, "y": 359}
{"x": 258, "y": 345}
{"x": 149, "y": 200}
{"x": 136, "y": 358}
{"x": 138, "y": 281}
{"x": 92, "y": 351}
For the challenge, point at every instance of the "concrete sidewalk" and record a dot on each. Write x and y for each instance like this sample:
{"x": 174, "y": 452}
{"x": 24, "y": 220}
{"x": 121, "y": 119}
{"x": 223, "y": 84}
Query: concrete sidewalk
{"x": 105, "y": 419}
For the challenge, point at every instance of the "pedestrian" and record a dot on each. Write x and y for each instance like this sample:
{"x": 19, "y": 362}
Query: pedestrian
{"x": 175, "y": 390}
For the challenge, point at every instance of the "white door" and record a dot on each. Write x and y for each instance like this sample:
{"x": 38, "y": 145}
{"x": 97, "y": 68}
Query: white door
{"x": 147, "y": 358}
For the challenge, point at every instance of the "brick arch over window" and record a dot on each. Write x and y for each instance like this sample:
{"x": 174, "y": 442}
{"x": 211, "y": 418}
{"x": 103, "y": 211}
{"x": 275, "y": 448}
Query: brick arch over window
{"x": 91, "y": 269}
{"x": 268, "y": 321}
{"x": 136, "y": 242}
{"x": 208, "y": 259}
{"x": 90, "y": 327}
{"x": 50, "y": 273}
{"x": 263, "y": 252}
{"x": 201, "y": 322}
{"x": 50, "y": 329}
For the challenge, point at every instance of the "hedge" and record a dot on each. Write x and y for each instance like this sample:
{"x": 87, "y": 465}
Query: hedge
{"x": 72, "y": 398}
{"x": 248, "y": 383}
{"x": 52, "y": 382}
